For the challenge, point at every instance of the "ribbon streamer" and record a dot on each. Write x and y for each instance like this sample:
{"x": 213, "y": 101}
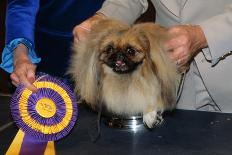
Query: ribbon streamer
{"x": 26, "y": 146}
{"x": 43, "y": 117}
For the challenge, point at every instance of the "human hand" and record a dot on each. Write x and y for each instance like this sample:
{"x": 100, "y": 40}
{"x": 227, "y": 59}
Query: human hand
{"x": 24, "y": 69}
{"x": 80, "y": 31}
{"x": 183, "y": 43}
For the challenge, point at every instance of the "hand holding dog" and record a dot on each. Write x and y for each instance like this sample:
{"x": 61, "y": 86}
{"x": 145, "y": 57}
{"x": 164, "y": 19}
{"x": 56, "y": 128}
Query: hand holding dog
{"x": 80, "y": 31}
{"x": 184, "y": 42}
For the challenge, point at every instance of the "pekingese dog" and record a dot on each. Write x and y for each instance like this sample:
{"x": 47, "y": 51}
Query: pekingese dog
{"x": 125, "y": 68}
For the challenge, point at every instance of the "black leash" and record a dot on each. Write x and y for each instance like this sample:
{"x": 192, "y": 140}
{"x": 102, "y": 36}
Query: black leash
{"x": 181, "y": 85}
{"x": 95, "y": 128}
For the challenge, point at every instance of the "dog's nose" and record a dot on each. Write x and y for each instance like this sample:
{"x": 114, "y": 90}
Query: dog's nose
{"x": 120, "y": 56}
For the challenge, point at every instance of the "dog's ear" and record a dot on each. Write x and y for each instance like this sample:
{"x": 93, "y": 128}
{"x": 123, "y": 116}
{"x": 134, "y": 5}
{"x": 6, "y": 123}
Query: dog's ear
{"x": 160, "y": 63}
{"x": 155, "y": 34}
{"x": 85, "y": 68}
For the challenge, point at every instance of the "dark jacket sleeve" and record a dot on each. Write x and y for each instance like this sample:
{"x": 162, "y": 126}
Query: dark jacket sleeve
{"x": 20, "y": 19}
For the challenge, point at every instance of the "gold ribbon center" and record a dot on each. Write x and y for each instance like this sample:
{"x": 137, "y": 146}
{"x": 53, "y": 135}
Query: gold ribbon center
{"x": 45, "y": 107}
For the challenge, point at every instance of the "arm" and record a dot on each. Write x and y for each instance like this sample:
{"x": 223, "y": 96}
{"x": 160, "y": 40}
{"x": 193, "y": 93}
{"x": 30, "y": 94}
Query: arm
{"x": 218, "y": 33}
{"x": 183, "y": 42}
{"x": 18, "y": 55}
{"x": 213, "y": 36}
{"x": 125, "y": 10}
{"x": 20, "y": 19}
{"x": 24, "y": 69}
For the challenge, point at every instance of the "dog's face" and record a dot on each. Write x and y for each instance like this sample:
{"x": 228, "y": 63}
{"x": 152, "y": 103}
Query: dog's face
{"x": 124, "y": 51}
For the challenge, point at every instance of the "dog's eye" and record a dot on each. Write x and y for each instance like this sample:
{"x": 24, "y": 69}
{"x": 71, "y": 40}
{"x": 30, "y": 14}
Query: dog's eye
{"x": 109, "y": 49}
{"x": 130, "y": 51}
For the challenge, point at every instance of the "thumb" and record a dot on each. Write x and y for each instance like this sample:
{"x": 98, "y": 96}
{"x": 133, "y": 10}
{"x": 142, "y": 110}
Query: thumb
{"x": 31, "y": 75}
{"x": 31, "y": 79}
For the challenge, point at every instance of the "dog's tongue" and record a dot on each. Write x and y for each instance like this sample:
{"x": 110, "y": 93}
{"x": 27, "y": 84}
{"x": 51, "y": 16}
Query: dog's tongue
{"x": 119, "y": 63}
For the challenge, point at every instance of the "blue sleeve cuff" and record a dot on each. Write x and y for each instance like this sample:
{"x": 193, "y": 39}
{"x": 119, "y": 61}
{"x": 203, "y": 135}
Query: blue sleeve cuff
{"x": 7, "y": 54}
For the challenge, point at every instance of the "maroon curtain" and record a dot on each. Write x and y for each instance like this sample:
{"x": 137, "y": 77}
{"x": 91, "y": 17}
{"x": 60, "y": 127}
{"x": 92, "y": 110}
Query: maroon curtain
{"x": 4, "y": 77}
{"x": 149, "y": 15}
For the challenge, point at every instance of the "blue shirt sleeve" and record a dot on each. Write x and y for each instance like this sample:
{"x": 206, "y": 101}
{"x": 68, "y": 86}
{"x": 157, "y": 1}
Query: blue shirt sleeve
{"x": 7, "y": 55}
{"x": 20, "y": 19}
{"x": 20, "y": 25}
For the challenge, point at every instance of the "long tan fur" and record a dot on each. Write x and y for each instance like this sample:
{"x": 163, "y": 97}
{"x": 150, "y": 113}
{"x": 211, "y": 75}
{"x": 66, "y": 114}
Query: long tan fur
{"x": 151, "y": 88}
{"x": 85, "y": 67}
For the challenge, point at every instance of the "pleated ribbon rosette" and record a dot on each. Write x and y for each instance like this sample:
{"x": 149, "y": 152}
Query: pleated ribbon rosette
{"x": 43, "y": 116}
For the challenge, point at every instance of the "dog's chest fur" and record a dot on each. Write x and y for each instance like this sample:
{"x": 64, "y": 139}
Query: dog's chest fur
{"x": 127, "y": 95}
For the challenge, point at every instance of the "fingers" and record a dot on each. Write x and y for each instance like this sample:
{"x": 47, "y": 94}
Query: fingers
{"x": 182, "y": 61}
{"x": 182, "y": 64}
{"x": 80, "y": 32}
{"x": 25, "y": 81}
{"x": 178, "y": 45}
{"x": 31, "y": 75}
{"x": 24, "y": 74}
{"x": 24, "y": 69}
{"x": 14, "y": 79}
{"x": 176, "y": 42}
{"x": 30, "y": 79}
{"x": 179, "y": 55}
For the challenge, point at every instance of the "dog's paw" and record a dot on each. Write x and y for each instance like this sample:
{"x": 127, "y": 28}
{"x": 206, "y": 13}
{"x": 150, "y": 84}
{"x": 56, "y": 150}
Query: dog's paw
{"x": 152, "y": 119}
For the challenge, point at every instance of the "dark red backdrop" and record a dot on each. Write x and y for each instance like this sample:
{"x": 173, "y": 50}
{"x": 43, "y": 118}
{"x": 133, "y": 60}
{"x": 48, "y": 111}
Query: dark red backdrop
{"x": 4, "y": 82}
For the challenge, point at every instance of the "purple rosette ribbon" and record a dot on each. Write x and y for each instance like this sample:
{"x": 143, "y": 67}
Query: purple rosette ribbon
{"x": 46, "y": 115}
